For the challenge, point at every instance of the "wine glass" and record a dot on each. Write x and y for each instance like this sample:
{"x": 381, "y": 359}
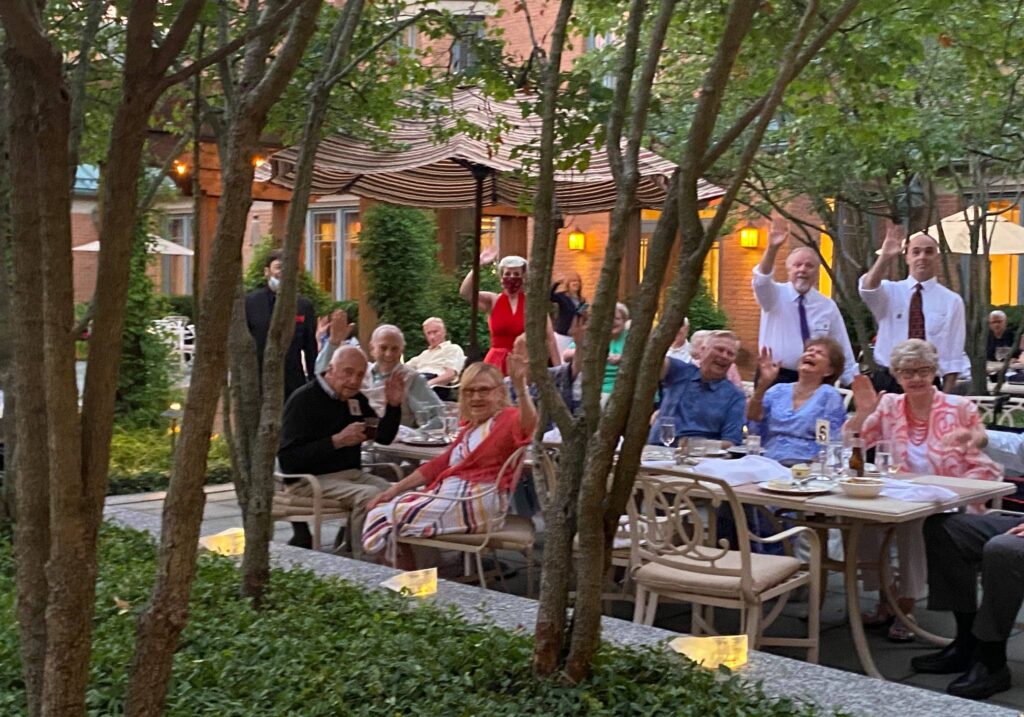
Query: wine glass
{"x": 1002, "y": 352}
{"x": 753, "y": 444}
{"x": 667, "y": 433}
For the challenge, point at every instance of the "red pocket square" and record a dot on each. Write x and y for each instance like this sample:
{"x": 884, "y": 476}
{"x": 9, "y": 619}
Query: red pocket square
{"x": 300, "y": 319}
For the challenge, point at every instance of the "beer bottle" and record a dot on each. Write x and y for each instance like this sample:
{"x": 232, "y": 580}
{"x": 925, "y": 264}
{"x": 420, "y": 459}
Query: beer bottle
{"x": 857, "y": 456}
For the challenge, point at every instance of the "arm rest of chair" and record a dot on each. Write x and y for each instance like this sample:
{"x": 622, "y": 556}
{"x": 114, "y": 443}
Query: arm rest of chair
{"x": 314, "y": 484}
{"x": 1003, "y": 511}
{"x": 812, "y": 538}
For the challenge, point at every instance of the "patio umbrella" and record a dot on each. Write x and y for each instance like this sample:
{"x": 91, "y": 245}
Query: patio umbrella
{"x": 1004, "y": 236}
{"x": 157, "y": 245}
{"x": 425, "y": 168}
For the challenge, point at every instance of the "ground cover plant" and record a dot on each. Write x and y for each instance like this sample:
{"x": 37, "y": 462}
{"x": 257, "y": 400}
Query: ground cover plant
{"x": 324, "y": 647}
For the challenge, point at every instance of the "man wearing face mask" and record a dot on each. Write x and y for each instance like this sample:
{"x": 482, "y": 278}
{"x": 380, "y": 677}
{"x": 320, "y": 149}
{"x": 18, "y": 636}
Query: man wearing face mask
{"x": 300, "y": 358}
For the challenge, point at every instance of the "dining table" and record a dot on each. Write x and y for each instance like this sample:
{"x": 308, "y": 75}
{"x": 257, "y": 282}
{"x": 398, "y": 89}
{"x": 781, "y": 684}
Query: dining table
{"x": 831, "y": 508}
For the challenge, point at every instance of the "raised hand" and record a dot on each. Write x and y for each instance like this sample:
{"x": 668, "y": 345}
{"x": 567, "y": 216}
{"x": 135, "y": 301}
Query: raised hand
{"x": 340, "y": 328}
{"x": 488, "y": 255}
{"x": 778, "y": 233}
{"x": 517, "y": 368}
{"x": 892, "y": 246}
{"x": 394, "y": 387}
{"x": 768, "y": 368}
{"x": 865, "y": 398}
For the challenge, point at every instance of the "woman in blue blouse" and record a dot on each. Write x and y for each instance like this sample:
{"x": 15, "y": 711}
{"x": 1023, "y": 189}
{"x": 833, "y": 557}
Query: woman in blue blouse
{"x": 785, "y": 415}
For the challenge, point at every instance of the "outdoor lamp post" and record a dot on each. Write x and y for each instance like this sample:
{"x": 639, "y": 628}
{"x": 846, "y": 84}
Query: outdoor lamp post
{"x": 174, "y": 413}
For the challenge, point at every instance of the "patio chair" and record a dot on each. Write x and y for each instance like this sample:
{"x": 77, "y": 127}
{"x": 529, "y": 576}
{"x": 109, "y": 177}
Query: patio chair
{"x": 675, "y": 554}
{"x": 847, "y": 395}
{"x": 517, "y": 534}
{"x": 315, "y": 509}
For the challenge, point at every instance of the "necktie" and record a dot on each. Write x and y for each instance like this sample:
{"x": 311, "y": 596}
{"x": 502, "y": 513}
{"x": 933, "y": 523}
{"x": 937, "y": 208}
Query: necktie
{"x": 805, "y": 331}
{"x": 915, "y": 322}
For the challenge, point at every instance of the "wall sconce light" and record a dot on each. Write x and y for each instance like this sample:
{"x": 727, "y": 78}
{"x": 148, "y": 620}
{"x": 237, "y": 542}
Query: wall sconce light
{"x": 577, "y": 240}
{"x": 750, "y": 237}
{"x": 258, "y": 161}
{"x": 180, "y": 169}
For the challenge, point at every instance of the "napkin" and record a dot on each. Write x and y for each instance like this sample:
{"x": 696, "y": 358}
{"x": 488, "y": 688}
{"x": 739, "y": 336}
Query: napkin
{"x": 553, "y": 436}
{"x": 660, "y": 465}
{"x": 749, "y": 469}
{"x": 915, "y": 492}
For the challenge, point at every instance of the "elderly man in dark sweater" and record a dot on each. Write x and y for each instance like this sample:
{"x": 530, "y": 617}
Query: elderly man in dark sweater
{"x": 324, "y": 426}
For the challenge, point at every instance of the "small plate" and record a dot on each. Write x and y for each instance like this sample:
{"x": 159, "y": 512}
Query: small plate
{"x": 788, "y": 488}
{"x": 710, "y": 454}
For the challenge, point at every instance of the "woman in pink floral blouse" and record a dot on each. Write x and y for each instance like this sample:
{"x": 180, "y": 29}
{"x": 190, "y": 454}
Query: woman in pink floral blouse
{"x": 930, "y": 432}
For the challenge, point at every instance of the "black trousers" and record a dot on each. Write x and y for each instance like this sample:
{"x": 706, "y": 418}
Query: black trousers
{"x": 958, "y": 546}
{"x": 882, "y": 380}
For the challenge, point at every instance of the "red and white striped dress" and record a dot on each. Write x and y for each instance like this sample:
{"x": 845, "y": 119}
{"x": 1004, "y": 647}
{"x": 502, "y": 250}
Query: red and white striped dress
{"x": 430, "y": 516}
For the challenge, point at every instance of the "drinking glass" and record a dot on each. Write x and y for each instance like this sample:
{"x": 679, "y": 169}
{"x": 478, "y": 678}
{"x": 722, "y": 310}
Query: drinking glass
{"x": 423, "y": 416}
{"x": 370, "y": 429}
{"x": 667, "y": 432}
{"x": 883, "y": 458}
{"x": 836, "y": 460}
{"x": 451, "y": 426}
{"x": 1002, "y": 352}
{"x": 753, "y": 444}
{"x": 698, "y": 447}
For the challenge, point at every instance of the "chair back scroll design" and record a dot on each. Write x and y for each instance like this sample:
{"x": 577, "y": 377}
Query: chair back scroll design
{"x": 674, "y": 518}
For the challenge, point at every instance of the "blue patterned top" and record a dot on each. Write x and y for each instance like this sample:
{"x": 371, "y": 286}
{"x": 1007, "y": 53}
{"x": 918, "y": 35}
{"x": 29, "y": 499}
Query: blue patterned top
{"x": 788, "y": 435}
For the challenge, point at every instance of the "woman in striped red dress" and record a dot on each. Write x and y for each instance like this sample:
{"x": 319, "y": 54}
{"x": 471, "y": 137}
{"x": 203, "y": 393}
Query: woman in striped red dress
{"x": 492, "y": 430}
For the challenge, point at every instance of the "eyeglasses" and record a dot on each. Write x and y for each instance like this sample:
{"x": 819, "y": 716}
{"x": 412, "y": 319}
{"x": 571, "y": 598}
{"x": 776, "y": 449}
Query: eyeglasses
{"x": 920, "y": 372}
{"x": 479, "y": 391}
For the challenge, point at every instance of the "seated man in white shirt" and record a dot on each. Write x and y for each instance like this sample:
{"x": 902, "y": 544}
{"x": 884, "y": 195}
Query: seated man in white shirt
{"x": 441, "y": 362}
{"x": 795, "y": 311}
{"x": 387, "y": 343}
{"x": 916, "y": 308}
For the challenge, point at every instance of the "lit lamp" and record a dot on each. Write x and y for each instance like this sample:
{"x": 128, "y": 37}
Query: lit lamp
{"x": 174, "y": 413}
{"x": 577, "y": 240}
{"x": 258, "y": 161}
{"x": 750, "y": 237}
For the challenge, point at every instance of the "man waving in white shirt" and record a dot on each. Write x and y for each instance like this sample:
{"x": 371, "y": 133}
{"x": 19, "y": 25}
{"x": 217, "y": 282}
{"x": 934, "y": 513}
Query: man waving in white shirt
{"x": 916, "y": 308}
{"x": 793, "y": 312}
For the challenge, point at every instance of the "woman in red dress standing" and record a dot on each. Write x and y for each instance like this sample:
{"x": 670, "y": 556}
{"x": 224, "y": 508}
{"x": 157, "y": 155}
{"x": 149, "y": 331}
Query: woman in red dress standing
{"x": 506, "y": 311}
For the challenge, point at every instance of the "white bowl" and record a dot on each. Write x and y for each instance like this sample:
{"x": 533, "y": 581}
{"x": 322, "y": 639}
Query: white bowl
{"x": 862, "y": 487}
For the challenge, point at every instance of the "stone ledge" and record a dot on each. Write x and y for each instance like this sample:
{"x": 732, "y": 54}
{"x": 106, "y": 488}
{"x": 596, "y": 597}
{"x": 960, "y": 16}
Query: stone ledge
{"x": 780, "y": 676}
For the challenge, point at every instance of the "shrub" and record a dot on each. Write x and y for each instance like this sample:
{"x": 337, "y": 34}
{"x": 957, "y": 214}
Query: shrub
{"x": 254, "y": 279}
{"x": 140, "y": 460}
{"x": 704, "y": 313}
{"x": 144, "y": 379}
{"x": 326, "y": 647}
{"x": 398, "y": 249}
{"x": 183, "y": 305}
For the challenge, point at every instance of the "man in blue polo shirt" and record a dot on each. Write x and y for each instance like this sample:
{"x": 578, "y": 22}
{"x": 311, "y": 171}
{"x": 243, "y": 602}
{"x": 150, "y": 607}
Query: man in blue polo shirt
{"x": 701, "y": 399}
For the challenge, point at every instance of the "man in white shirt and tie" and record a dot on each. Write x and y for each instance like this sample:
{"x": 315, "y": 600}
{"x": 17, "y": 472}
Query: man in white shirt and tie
{"x": 795, "y": 311}
{"x": 916, "y": 308}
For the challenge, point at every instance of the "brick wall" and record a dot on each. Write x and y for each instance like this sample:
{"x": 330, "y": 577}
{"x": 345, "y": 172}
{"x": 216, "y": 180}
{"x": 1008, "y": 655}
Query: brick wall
{"x": 84, "y": 263}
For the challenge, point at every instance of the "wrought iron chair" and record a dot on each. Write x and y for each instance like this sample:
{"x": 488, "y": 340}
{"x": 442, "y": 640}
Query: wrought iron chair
{"x": 676, "y": 555}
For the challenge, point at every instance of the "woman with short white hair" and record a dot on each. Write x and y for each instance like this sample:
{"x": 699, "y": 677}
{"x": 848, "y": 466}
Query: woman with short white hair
{"x": 930, "y": 432}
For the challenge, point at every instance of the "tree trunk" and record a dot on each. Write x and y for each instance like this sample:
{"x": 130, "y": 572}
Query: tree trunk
{"x": 163, "y": 620}
{"x": 30, "y": 469}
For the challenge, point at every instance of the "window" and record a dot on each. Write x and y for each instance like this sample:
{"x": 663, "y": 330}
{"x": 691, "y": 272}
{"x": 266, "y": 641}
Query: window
{"x": 330, "y": 256}
{"x": 1004, "y": 269}
{"x": 176, "y": 271}
{"x": 710, "y": 272}
{"x": 827, "y": 249}
{"x": 464, "y": 54}
{"x": 490, "y": 233}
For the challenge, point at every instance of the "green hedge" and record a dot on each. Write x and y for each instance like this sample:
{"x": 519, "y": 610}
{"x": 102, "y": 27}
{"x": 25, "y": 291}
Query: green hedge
{"x": 325, "y": 647}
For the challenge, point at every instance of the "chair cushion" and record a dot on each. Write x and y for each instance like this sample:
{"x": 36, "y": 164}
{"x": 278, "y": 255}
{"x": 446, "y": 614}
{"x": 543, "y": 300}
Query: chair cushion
{"x": 767, "y": 571}
{"x": 516, "y": 532}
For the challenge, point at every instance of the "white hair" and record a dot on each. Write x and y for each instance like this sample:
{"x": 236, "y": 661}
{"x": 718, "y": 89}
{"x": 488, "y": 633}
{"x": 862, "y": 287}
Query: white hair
{"x": 621, "y": 308}
{"x": 997, "y": 314}
{"x": 387, "y": 329}
{"x": 512, "y": 261}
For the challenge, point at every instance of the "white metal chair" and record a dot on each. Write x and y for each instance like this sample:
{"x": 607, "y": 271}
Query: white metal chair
{"x": 847, "y": 395}
{"x": 301, "y": 509}
{"x": 986, "y": 406}
{"x": 517, "y": 533}
{"x": 315, "y": 509}
{"x": 676, "y": 554}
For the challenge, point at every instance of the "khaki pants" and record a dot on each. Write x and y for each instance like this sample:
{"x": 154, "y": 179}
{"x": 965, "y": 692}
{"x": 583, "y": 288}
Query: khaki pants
{"x": 353, "y": 489}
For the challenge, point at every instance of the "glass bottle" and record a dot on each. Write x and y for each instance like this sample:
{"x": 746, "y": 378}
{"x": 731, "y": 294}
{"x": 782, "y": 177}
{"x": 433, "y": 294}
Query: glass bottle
{"x": 856, "y": 464}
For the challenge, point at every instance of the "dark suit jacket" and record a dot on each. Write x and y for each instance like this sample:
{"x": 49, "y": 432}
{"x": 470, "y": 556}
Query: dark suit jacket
{"x": 301, "y": 356}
